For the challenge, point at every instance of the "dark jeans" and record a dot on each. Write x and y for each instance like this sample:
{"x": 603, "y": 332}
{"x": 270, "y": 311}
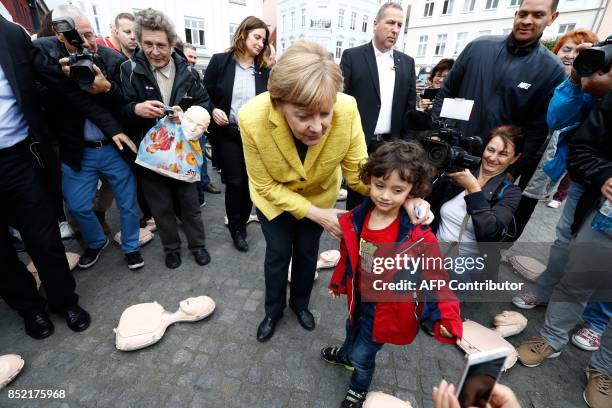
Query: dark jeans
{"x": 204, "y": 177}
{"x": 167, "y": 198}
{"x": 288, "y": 238}
{"x": 25, "y": 206}
{"x": 527, "y": 204}
{"x": 238, "y": 202}
{"x": 360, "y": 349}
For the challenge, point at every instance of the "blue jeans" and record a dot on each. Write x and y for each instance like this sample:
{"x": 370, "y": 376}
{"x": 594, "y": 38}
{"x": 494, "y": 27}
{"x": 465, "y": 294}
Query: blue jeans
{"x": 204, "y": 177}
{"x": 79, "y": 188}
{"x": 597, "y": 315}
{"x": 360, "y": 349}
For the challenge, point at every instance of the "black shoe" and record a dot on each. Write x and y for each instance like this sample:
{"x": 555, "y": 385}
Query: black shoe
{"x": 38, "y": 325}
{"x": 202, "y": 257}
{"x": 134, "y": 260}
{"x": 306, "y": 319}
{"x": 77, "y": 319}
{"x": 173, "y": 260}
{"x": 353, "y": 399}
{"x": 428, "y": 326}
{"x": 266, "y": 329}
{"x": 239, "y": 241}
{"x": 90, "y": 256}
{"x": 333, "y": 356}
{"x": 210, "y": 188}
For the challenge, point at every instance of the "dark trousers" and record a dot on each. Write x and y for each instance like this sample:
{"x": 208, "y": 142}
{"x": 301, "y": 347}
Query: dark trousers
{"x": 238, "y": 202}
{"x": 353, "y": 198}
{"x": 27, "y": 206}
{"x": 167, "y": 198}
{"x": 527, "y": 205}
{"x": 360, "y": 349}
{"x": 289, "y": 239}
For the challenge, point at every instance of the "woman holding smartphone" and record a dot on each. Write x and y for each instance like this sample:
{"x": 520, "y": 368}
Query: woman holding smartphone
{"x": 232, "y": 78}
{"x": 436, "y": 79}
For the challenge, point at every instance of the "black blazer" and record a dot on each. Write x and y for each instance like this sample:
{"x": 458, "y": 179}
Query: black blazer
{"x": 219, "y": 82}
{"x": 361, "y": 81}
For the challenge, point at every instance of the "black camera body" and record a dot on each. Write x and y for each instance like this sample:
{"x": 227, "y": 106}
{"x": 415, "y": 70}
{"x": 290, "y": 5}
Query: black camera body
{"x": 594, "y": 59}
{"x": 168, "y": 111}
{"x": 82, "y": 61}
{"x": 448, "y": 150}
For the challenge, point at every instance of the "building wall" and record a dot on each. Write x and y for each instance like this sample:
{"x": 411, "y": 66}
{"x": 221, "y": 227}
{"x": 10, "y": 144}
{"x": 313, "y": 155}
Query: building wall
{"x": 605, "y": 26}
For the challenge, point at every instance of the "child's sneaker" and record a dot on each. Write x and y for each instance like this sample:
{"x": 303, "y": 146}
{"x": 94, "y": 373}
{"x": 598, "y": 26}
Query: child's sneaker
{"x": 527, "y": 301}
{"x": 598, "y": 391}
{"x": 333, "y": 356}
{"x": 586, "y": 339}
{"x": 353, "y": 399}
{"x": 534, "y": 351}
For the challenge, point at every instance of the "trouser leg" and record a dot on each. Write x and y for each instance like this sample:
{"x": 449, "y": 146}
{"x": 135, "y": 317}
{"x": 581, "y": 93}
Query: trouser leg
{"x": 160, "y": 197}
{"x": 305, "y": 254}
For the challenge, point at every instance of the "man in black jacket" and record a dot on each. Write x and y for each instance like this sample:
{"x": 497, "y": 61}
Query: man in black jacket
{"x": 25, "y": 203}
{"x": 383, "y": 82}
{"x": 89, "y": 136}
{"x": 155, "y": 78}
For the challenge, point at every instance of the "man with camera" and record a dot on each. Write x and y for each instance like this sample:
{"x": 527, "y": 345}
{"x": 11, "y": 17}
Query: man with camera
{"x": 82, "y": 105}
{"x": 158, "y": 82}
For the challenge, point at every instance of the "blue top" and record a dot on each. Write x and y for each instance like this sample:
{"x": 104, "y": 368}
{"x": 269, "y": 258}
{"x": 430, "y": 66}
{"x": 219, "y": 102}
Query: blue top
{"x": 13, "y": 126}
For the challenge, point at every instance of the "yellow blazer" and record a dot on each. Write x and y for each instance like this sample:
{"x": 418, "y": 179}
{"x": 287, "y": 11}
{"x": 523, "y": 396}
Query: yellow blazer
{"x": 278, "y": 180}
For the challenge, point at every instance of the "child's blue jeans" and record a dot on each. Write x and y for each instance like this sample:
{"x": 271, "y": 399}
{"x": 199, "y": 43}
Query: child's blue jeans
{"x": 360, "y": 349}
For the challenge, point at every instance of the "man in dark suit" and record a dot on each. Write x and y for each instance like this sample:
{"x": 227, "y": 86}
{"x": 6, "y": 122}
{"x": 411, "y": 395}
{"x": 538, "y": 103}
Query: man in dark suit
{"x": 383, "y": 82}
{"x": 25, "y": 203}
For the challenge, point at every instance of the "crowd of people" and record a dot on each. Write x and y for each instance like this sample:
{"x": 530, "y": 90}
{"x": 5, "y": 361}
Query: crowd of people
{"x": 285, "y": 134}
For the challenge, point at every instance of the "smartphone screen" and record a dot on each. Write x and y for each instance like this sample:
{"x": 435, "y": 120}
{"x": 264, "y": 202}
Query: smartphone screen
{"x": 479, "y": 382}
{"x": 430, "y": 93}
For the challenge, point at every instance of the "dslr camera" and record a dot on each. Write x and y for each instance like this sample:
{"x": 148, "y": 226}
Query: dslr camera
{"x": 450, "y": 151}
{"x": 82, "y": 61}
{"x": 594, "y": 59}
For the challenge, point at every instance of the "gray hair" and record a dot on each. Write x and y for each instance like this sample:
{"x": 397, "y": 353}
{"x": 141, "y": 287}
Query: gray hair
{"x": 189, "y": 46}
{"x": 383, "y": 9}
{"x": 154, "y": 20}
{"x": 66, "y": 10}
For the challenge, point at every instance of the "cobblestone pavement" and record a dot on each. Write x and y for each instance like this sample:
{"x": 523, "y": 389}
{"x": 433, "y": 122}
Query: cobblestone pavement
{"x": 219, "y": 363}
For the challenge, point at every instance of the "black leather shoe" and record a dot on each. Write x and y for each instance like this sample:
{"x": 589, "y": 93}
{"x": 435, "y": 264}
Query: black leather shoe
{"x": 202, "y": 257}
{"x": 266, "y": 329}
{"x": 239, "y": 241}
{"x": 173, "y": 260}
{"x": 306, "y": 319}
{"x": 77, "y": 319}
{"x": 38, "y": 325}
{"x": 210, "y": 188}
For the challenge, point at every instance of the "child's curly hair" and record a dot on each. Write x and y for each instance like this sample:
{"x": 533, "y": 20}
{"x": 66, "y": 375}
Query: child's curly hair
{"x": 408, "y": 158}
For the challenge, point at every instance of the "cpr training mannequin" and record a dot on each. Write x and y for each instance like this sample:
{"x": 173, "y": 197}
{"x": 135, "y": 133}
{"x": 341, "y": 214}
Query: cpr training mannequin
{"x": 145, "y": 323}
{"x": 10, "y": 366}
{"x": 194, "y": 122}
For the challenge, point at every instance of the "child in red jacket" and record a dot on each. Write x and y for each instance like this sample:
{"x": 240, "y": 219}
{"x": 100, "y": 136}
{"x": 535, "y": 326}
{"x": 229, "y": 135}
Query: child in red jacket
{"x": 380, "y": 228}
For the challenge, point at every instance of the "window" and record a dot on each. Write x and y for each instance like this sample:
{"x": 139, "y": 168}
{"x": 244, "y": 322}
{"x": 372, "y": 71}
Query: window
{"x": 484, "y": 32}
{"x": 440, "y": 45}
{"x": 491, "y": 4}
{"x": 353, "y": 20}
{"x": 447, "y": 7}
{"x": 341, "y": 18}
{"x": 194, "y": 31}
{"x": 507, "y": 31}
{"x": 429, "y": 7}
{"x": 95, "y": 12}
{"x": 364, "y": 24}
{"x": 241, "y": 2}
{"x": 468, "y": 6}
{"x": 462, "y": 39}
{"x": 303, "y": 17}
{"x": 515, "y": 3}
{"x": 293, "y": 20}
{"x": 320, "y": 23}
{"x": 422, "y": 45}
{"x": 351, "y": 45}
{"x": 338, "y": 49}
{"x": 232, "y": 30}
{"x": 283, "y": 45}
{"x": 284, "y": 17}
{"x": 564, "y": 28}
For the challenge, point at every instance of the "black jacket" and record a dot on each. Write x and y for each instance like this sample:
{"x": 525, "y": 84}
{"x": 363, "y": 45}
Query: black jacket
{"x": 68, "y": 106}
{"x": 590, "y": 157}
{"x": 219, "y": 82}
{"x": 510, "y": 85}
{"x": 362, "y": 82}
{"x": 139, "y": 85}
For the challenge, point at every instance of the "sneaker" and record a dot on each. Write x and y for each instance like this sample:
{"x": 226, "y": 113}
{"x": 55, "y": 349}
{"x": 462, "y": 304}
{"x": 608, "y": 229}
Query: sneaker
{"x": 66, "y": 230}
{"x": 202, "y": 204}
{"x": 527, "y": 301}
{"x": 553, "y": 204}
{"x": 586, "y": 339}
{"x": 333, "y": 356}
{"x": 134, "y": 260}
{"x": 598, "y": 391}
{"x": 90, "y": 256}
{"x": 353, "y": 399}
{"x": 534, "y": 351}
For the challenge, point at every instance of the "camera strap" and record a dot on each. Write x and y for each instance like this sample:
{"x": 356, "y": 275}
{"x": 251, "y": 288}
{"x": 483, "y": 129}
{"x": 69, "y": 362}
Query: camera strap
{"x": 453, "y": 250}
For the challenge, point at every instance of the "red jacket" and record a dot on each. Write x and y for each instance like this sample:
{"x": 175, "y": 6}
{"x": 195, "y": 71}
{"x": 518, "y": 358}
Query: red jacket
{"x": 395, "y": 322}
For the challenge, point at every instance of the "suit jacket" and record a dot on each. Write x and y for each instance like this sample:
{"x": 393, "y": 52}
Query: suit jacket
{"x": 219, "y": 82}
{"x": 362, "y": 82}
{"x": 278, "y": 181}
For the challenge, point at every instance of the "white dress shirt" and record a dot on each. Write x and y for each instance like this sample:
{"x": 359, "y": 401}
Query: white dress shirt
{"x": 386, "y": 79}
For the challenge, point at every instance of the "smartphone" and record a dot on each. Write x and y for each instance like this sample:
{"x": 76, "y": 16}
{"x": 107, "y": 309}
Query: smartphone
{"x": 430, "y": 93}
{"x": 481, "y": 372}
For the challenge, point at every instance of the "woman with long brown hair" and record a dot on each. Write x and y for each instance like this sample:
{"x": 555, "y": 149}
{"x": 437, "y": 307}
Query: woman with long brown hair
{"x": 231, "y": 79}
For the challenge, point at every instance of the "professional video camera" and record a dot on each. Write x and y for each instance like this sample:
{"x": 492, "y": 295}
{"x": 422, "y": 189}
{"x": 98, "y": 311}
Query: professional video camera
{"x": 596, "y": 58}
{"x": 450, "y": 151}
{"x": 82, "y": 61}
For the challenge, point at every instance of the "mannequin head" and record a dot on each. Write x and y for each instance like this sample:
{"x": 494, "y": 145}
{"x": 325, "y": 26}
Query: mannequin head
{"x": 195, "y": 122}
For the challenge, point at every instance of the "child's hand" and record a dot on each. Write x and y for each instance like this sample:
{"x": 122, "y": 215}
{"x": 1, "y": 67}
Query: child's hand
{"x": 445, "y": 333}
{"x": 334, "y": 295}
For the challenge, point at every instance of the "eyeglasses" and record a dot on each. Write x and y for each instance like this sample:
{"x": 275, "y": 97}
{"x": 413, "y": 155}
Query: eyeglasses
{"x": 160, "y": 47}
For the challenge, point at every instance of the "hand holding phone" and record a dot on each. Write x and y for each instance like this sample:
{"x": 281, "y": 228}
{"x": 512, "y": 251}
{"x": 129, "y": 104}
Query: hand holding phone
{"x": 481, "y": 373}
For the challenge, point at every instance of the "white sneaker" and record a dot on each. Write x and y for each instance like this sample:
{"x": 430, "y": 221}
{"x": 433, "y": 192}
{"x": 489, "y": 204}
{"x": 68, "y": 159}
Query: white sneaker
{"x": 527, "y": 301}
{"x": 553, "y": 204}
{"x": 66, "y": 230}
{"x": 586, "y": 339}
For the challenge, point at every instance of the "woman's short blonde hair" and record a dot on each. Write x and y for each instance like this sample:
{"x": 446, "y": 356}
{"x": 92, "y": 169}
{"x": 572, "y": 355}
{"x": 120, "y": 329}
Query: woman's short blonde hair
{"x": 305, "y": 75}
